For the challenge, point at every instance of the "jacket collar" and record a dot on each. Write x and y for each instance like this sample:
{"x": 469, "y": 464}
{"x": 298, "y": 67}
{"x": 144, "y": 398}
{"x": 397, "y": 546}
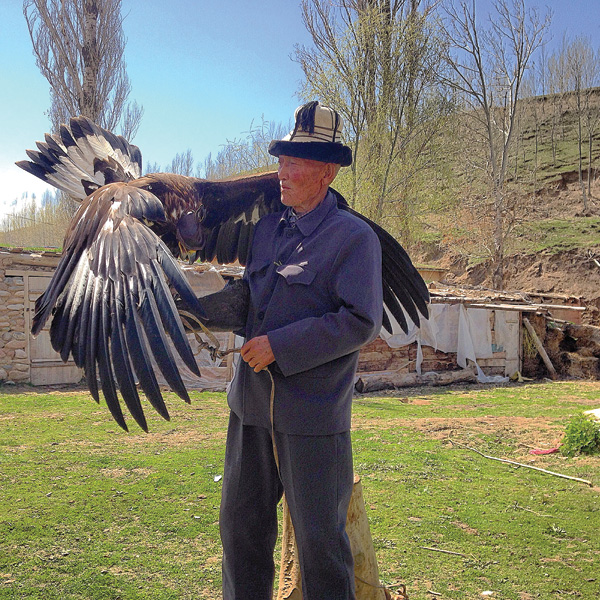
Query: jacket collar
{"x": 311, "y": 220}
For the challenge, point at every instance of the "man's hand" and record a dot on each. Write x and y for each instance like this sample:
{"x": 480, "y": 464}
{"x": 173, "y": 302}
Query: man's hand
{"x": 257, "y": 353}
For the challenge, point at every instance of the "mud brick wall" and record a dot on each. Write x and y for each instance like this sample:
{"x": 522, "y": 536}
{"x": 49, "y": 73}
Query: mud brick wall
{"x": 16, "y": 266}
{"x": 378, "y": 356}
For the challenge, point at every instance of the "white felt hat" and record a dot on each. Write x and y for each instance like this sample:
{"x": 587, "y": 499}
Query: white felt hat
{"x": 316, "y": 135}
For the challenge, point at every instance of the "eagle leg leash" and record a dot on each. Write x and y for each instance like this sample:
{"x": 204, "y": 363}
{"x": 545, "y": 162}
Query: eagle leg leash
{"x": 216, "y": 352}
{"x": 214, "y": 347}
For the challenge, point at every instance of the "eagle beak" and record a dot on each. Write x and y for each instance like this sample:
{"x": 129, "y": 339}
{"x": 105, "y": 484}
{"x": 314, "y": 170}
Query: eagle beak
{"x": 187, "y": 254}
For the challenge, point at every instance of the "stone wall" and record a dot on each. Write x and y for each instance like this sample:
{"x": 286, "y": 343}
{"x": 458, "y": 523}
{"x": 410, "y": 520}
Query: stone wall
{"x": 16, "y": 292}
{"x": 14, "y": 359}
{"x": 14, "y": 346}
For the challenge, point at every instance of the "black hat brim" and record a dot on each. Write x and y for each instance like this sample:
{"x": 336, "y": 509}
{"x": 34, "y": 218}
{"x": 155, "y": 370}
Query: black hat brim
{"x": 329, "y": 152}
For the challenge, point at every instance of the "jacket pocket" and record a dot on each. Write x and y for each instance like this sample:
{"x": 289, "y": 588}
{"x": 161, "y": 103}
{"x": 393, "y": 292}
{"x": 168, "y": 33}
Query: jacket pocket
{"x": 296, "y": 274}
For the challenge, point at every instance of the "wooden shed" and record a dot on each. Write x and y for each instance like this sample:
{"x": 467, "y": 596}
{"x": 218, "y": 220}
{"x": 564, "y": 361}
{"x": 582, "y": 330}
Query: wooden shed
{"x": 472, "y": 335}
{"x": 440, "y": 347}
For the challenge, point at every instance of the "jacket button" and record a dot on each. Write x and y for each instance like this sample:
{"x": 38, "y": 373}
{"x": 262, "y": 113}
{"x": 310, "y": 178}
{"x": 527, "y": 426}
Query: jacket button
{"x": 261, "y": 315}
{"x": 289, "y": 233}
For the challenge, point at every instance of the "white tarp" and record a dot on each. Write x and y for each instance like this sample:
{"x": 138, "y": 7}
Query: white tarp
{"x": 450, "y": 328}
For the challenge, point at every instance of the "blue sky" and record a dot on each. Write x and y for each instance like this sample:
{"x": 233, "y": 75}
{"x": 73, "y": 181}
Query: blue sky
{"x": 203, "y": 71}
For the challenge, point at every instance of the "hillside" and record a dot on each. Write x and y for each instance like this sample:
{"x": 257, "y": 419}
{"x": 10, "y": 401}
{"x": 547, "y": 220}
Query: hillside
{"x": 557, "y": 250}
{"x": 555, "y": 242}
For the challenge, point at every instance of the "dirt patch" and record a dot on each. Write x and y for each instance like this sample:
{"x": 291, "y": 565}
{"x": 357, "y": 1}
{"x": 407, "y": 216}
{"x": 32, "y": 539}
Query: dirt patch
{"x": 175, "y": 438}
{"x": 416, "y": 401}
{"x": 568, "y": 273}
{"x": 466, "y": 528}
{"x": 526, "y": 432}
{"x": 585, "y": 401}
{"x": 71, "y": 389}
{"x": 118, "y": 473}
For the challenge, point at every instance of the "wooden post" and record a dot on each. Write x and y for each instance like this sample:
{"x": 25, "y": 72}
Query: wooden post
{"x": 366, "y": 572}
{"x": 290, "y": 580}
{"x": 540, "y": 348}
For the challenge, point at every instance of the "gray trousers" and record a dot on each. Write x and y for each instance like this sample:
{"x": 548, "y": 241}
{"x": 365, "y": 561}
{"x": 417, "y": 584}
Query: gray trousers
{"x": 317, "y": 477}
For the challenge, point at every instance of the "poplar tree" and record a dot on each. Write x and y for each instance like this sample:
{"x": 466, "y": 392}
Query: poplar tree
{"x": 79, "y": 48}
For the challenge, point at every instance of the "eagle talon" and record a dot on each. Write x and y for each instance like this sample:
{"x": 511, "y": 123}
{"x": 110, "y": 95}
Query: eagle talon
{"x": 214, "y": 353}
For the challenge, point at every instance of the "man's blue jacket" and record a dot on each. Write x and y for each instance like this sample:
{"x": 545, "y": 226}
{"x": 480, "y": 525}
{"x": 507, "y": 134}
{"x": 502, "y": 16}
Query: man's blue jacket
{"x": 316, "y": 291}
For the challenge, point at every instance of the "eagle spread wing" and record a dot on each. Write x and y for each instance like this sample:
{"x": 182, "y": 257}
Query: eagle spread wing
{"x": 115, "y": 297}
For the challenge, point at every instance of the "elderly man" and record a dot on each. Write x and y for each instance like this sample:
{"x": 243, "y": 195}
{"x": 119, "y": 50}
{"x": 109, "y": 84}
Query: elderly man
{"x": 314, "y": 274}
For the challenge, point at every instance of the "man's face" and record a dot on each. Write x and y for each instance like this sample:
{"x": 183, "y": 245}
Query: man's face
{"x": 303, "y": 182}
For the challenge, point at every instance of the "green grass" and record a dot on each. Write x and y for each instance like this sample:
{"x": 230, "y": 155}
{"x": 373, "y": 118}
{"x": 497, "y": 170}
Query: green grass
{"x": 89, "y": 511}
{"x": 553, "y": 235}
{"x": 37, "y": 248}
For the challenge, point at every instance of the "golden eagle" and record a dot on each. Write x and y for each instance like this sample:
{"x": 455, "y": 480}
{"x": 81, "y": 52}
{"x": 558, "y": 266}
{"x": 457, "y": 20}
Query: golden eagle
{"x": 116, "y": 295}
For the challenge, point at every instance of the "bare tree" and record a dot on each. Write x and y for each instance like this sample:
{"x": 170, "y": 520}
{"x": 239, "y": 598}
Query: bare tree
{"x": 488, "y": 65}
{"x": 183, "y": 163}
{"x": 377, "y": 62}
{"x": 250, "y": 153}
{"x": 533, "y": 110}
{"x": 559, "y": 86}
{"x": 152, "y": 167}
{"x": 592, "y": 120}
{"x": 36, "y": 224}
{"x": 583, "y": 76}
{"x": 237, "y": 156}
{"x": 79, "y": 47}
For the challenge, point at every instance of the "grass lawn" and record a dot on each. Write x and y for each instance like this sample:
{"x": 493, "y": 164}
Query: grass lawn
{"x": 88, "y": 511}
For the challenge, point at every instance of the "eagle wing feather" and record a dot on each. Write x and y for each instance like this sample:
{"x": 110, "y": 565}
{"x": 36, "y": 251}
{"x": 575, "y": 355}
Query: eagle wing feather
{"x": 111, "y": 303}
